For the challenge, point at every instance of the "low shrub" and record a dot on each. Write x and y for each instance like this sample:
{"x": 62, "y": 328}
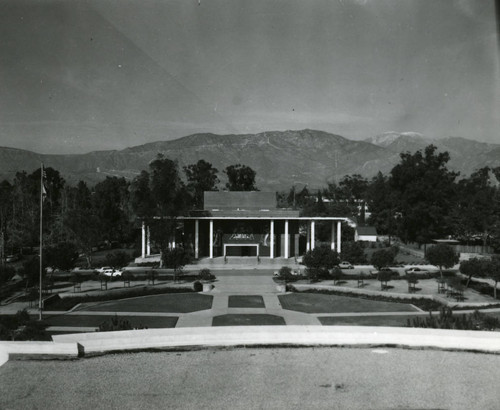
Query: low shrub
{"x": 446, "y": 320}
{"x": 206, "y": 275}
{"x": 21, "y": 327}
{"x": 115, "y": 323}
{"x": 197, "y": 286}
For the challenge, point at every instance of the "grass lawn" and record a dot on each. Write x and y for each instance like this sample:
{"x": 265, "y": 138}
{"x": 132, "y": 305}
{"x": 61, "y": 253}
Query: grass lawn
{"x": 396, "y": 321}
{"x": 246, "y": 301}
{"x": 248, "y": 320}
{"x": 150, "y": 322}
{"x": 319, "y": 303}
{"x": 167, "y": 303}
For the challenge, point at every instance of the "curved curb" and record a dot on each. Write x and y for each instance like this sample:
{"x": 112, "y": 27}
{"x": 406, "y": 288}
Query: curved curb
{"x": 294, "y": 336}
{"x": 38, "y": 351}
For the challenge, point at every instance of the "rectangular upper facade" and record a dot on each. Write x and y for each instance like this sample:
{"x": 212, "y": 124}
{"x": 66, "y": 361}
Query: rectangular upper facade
{"x": 251, "y": 203}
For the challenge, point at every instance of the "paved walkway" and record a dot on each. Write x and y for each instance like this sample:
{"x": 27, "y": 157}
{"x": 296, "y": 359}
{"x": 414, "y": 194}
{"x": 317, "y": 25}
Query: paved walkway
{"x": 237, "y": 283}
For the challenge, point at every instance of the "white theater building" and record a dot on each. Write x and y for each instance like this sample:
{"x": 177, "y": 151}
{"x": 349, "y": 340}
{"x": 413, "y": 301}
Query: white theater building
{"x": 239, "y": 224}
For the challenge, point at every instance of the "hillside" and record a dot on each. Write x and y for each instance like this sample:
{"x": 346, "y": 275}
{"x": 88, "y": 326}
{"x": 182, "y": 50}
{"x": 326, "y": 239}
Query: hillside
{"x": 280, "y": 159}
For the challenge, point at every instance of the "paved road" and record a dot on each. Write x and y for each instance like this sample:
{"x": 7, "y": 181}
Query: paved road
{"x": 320, "y": 378}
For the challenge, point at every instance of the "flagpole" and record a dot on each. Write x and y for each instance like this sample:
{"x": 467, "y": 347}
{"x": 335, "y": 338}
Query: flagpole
{"x": 41, "y": 237}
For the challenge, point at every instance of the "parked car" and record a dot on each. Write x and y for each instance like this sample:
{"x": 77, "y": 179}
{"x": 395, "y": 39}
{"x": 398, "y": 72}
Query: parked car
{"x": 12, "y": 258}
{"x": 103, "y": 269}
{"x": 345, "y": 265}
{"x": 112, "y": 273}
{"x": 416, "y": 271}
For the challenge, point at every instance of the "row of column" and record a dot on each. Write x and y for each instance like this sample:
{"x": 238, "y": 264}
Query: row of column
{"x": 311, "y": 238}
{"x": 146, "y": 241}
{"x": 336, "y": 231}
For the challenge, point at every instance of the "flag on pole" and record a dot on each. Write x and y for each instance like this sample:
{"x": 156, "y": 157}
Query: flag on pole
{"x": 43, "y": 182}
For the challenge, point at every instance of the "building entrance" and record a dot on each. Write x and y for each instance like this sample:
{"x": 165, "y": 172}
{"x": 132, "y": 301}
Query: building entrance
{"x": 247, "y": 249}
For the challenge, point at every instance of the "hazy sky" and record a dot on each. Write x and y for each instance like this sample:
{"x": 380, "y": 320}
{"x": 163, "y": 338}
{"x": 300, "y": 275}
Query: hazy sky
{"x": 77, "y": 76}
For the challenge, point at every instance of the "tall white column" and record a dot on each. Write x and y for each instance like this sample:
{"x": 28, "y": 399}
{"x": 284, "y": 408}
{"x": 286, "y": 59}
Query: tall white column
{"x": 196, "y": 239}
{"x": 271, "y": 234}
{"x": 308, "y": 241}
{"x": 287, "y": 241}
{"x": 148, "y": 245}
{"x": 143, "y": 241}
{"x": 312, "y": 234}
{"x": 339, "y": 236}
{"x": 334, "y": 232}
{"x": 211, "y": 233}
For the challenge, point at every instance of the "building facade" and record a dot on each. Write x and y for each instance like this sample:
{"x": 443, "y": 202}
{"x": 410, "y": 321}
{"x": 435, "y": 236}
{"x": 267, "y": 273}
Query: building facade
{"x": 248, "y": 224}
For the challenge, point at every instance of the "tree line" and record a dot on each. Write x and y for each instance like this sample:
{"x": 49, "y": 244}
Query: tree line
{"x": 78, "y": 218}
{"x": 419, "y": 200}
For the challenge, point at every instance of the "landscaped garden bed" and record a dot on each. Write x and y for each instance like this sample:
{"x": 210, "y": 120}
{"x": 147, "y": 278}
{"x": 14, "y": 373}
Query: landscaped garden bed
{"x": 322, "y": 302}
{"x": 69, "y": 302}
{"x": 422, "y": 303}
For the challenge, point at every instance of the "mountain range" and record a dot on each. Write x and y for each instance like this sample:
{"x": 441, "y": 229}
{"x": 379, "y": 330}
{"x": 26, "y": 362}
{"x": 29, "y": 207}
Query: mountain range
{"x": 280, "y": 158}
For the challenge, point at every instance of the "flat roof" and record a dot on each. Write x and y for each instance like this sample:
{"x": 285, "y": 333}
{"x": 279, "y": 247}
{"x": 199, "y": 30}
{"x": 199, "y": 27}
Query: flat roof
{"x": 269, "y": 217}
{"x": 248, "y": 200}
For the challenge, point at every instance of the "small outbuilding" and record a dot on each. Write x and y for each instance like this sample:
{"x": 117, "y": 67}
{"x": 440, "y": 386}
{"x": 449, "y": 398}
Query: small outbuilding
{"x": 366, "y": 234}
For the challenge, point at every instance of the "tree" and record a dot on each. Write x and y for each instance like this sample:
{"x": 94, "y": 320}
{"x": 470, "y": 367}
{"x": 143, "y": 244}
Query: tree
{"x": 336, "y": 274}
{"x": 442, "y": 255}
{"x": 319, "y": 261}
{"x": 159, "y": 197}
{"x": 140, "y": 198}
{"x": 491, "y": 269}
{"x": 353, "y": 252}
{"x": 118, "y": 259}
{"x": 110, "y": 202}
{"x": 166, "y": 187}
{"x": 412, "y": 281}
{"x": 201, "y": 177}
{"x": 6, "y": 273}
{"x": 82, "y": 226}
{"x": 352, "y": 188}
{"x": 477, "y": 208}
{"x": 240, "y": 178}
{"x": 471, "y": 267}
{"x": 382, "y": 258}
{"x": 384, "y": 277}
{"x": 176, "y": 259}
{"x": 425, "y": 191}
{"x": 382, "y": 205}
{"x": 62, "y": 255}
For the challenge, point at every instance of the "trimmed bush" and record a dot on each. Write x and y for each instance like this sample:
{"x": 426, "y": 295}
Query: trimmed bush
{"x": 197, "y": 286}
{"x": 206, "y": 275}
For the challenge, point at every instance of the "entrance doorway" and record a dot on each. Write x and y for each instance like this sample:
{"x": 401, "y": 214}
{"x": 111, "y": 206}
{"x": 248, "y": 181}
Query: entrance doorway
{"x": 247, "y": 249}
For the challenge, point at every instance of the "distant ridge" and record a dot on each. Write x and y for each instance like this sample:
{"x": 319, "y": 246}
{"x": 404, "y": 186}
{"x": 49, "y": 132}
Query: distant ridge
{"x": 280, "y": 158}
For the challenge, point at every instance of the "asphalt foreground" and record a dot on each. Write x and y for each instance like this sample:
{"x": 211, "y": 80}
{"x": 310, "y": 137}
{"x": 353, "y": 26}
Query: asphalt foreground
{"x": 257, "y": 378}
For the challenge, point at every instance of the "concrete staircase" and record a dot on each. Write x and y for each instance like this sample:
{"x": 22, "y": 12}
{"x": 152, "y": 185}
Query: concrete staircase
{"x": 248, "y": 262}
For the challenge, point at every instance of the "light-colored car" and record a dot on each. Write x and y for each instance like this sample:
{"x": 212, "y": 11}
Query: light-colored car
{"x": 345, "y": 265}
{"x": 416, "y": 271}
{"x": 12, "y": 258}
{"x": 112, "y": 273}
{"x": 104, "y": 268}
